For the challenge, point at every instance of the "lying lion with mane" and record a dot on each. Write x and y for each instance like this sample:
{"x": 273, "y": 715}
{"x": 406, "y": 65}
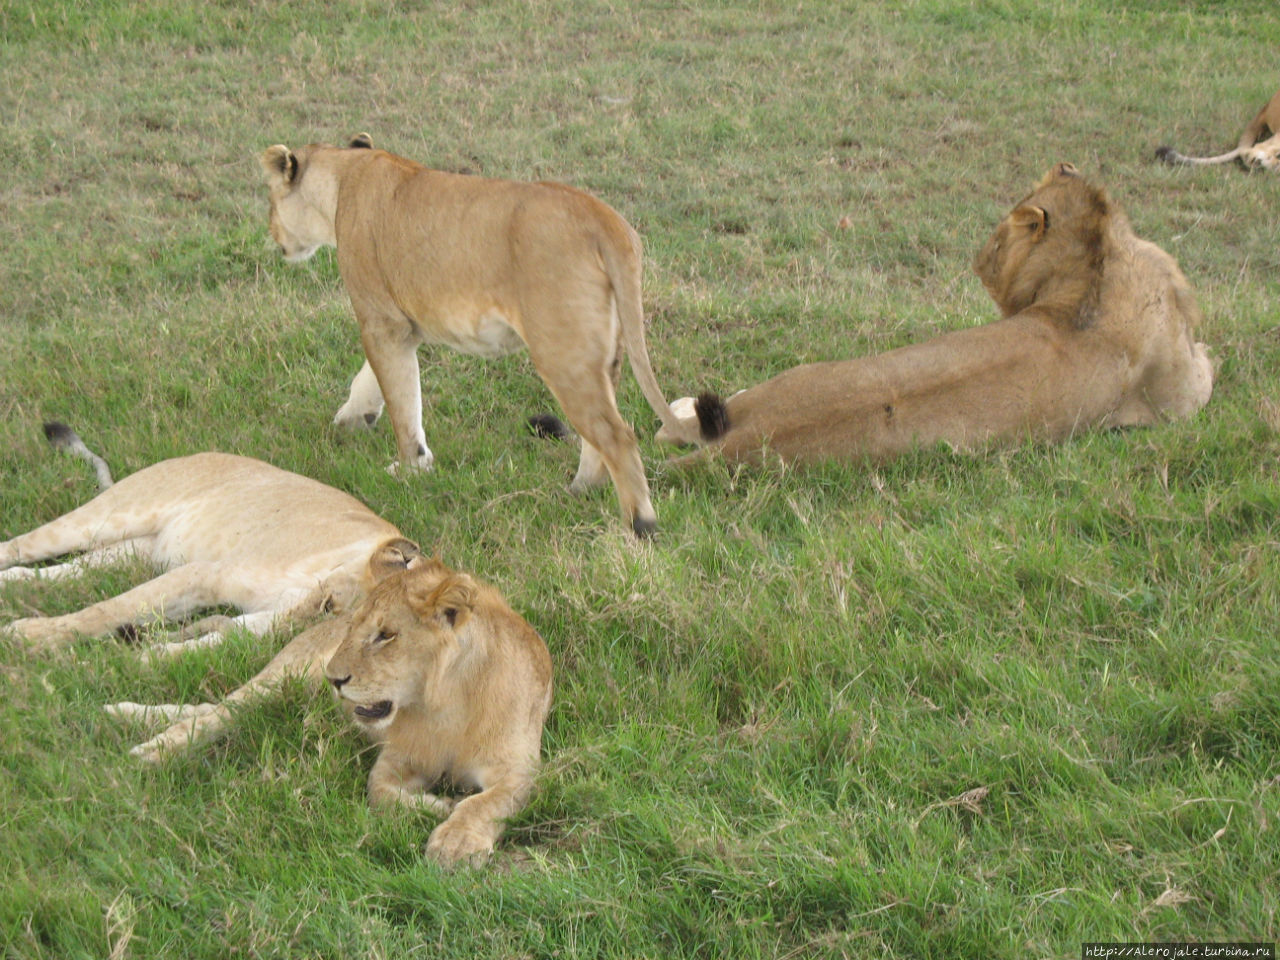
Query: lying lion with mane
{"x": 1098, "y": 331}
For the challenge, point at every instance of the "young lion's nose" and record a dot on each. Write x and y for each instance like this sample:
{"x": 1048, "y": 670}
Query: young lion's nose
{"x": 339, "y": 681}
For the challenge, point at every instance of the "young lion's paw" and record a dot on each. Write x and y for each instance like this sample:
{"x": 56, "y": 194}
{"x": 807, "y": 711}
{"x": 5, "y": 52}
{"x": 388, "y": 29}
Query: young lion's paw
{"x": 458, "y": 843}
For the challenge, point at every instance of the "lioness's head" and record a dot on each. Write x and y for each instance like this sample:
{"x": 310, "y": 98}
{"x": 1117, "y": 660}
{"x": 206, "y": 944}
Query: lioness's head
{"x": 402, "y": 639}
{"x": 1056, "y": 234}
{"x": 302, "y": 206}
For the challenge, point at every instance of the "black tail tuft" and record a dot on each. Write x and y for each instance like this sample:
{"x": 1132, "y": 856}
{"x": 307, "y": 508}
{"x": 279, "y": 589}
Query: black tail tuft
{"x": 548, "y": 427}
{"x": 1167, "y": 154}
{"x": 59, "y": 435}
{"x": 713, "y": 416}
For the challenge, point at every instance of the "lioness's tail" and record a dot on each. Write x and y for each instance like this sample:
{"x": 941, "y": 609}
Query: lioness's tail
{"x": 624, "y": 275}
{"x": 61, "y": 437}
{"x": 1172, "y": 156}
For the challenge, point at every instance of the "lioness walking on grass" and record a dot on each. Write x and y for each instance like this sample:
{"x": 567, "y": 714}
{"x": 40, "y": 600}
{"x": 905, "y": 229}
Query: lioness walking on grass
{"x": 482, "y": 266}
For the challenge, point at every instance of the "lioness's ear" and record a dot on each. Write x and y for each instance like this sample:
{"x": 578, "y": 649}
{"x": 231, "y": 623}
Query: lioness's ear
{"x": 279, "y": 163}
{"x": 1034, "y": 219}
{"x": 453, "y": 599}
{"x": 361, "y": 141}
{"x": 391, "y": 556}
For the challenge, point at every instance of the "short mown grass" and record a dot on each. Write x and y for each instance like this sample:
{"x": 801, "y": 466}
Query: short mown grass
{"x": 956, "y": 706}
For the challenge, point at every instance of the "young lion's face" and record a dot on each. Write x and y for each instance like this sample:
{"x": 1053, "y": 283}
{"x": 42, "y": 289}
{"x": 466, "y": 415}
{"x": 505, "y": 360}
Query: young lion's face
{"x": 401, "y": 641}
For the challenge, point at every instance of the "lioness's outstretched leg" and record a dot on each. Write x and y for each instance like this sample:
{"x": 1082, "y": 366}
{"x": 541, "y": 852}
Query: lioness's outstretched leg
{"x": 110, "y": 518}
{"x": 103, "y": 557}
{"x": 392, "y": 352}
{"x": 190, "y": 587}
{"x": 364, "y": 402}
{"x": 304, "y": 656}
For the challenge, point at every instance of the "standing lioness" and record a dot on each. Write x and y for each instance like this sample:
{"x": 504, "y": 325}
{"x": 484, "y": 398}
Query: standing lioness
{"x": 482, "y": 266}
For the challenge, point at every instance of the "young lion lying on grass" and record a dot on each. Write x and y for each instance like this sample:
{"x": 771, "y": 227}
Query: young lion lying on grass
{"x": 438, "y": 670}
{"x": 1098, "y": 331}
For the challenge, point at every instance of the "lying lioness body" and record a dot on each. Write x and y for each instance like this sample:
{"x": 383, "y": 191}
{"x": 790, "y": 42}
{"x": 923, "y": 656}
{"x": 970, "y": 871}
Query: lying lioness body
{"x": 438, "y": 670}
{"x": 1098, "y": 332}
{"x": 482, "y": 266}
{"x": 1259, "y": 144}
{"x": 226, "y": 531}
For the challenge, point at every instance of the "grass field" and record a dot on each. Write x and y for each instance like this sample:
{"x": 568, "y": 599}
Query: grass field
{"x": 956, "y": 707}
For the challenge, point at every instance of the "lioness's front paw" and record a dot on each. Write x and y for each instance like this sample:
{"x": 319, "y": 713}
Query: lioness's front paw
{"x": 456, "y": 842}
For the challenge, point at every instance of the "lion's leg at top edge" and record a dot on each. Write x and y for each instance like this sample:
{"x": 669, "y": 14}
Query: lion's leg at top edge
{"x": 584, "y": 383}
{"x": 364, "y": 402}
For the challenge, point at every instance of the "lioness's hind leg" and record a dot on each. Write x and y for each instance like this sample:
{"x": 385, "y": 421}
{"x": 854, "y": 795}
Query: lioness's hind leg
{"x": 172, "y": 594}
{"x": 606, "y": 438}
{"x": 74, "y": 568}
{"x": 364, "y": 402}
{"x": 615, "y": 443}
{"x": 105, "y": 521}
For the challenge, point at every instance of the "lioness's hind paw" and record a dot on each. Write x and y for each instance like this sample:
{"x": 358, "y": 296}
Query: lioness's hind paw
{"x": 356, "y": 419}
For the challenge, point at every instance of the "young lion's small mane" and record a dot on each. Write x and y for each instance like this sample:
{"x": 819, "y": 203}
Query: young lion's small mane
{"x": 1051, "y": 251}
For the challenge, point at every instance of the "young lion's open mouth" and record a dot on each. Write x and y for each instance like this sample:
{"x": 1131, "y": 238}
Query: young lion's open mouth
{"x": 375, "y": 712}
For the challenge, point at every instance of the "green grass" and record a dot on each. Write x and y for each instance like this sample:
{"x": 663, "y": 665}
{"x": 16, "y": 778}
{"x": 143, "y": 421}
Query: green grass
{"x": 954, "y": 707}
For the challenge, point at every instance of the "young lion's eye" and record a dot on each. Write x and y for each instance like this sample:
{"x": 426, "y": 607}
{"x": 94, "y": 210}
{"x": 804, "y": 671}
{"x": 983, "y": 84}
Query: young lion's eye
{"x": 383, "y": 636}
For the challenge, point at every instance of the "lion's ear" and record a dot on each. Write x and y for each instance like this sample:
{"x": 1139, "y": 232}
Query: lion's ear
{"x": 279, "y": 164}
{"x": 392, "y": 556}
{"x": 453, "y": 600}
{"x": 1035, "y": 220}
{"x": 361, "y": 141}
